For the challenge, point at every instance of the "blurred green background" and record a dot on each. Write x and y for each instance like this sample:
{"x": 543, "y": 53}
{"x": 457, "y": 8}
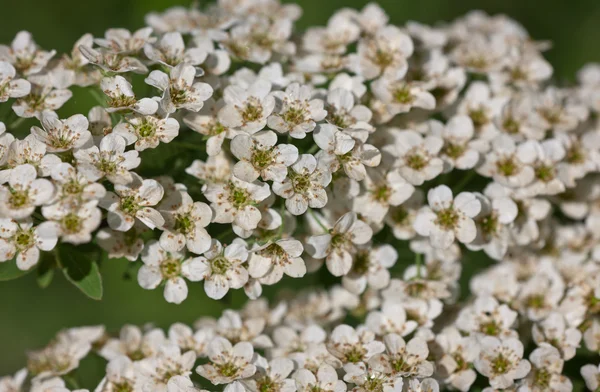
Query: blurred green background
{"x": 30, "y": 316}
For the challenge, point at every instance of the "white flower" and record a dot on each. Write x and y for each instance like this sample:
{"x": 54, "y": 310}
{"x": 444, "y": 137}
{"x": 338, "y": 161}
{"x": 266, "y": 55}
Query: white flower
{"x": 222, "y": 269}
{"x": 24, "y": 192}
{"x": 119, "y": 244}
{"x": 482, "y": 108}
{"x": 456, "y": 361}
{"x": 346, "y": 149}
{"x": 227, "y": 362}
{"x": 147, "y": 131}
{"x": 11, "y": 87}
{"x": 353, "y": 346}
{"x": 448, "y": 218}
{"x": 168, "y": 363}
{"x": 343, "y": 113}
{"x": 185, "y": 222}
{"x": 113, "y": 62}
{"x": 403, "y": 359}
{"x": 382, "y": 191}
{"x": 547, "y": 155}
{"x": 269, "y": 262}
{"x": 170, "y": 267}
{"x": 502, "y": 361}
{"x": 133, "y": 343}
{"x": 206, "y": 123}
{"x": 391, "y": 319}
{"x": 234, "y": 202}
{"x": 486, "y": 316}
{"x": 383, "y": 53}
{"x": 13, "y": 383}
{"x": 122, "y": 98}
{"x": 399, "y": 96}
{"x": 366, "y": 379}
{"x": 324, "y": 379}
{"x": 40, "y": 98}
{"x": 122, "y": 41}
{"x": 295, "y": 112}
{"x": 25, "y": 55}
{"x": 22, "y": 239}
{"x": 493, "y": 221}
{"x": 554, "y": 330}
{"x": 132, "y": 201}
{"x": 247, "y": 110}
{"x": 74, "y": 223}
{"x": 547, "y": 365}
{"x": 417, "y": 157}
{"x": 120, "y": 373}
{"x": 179, "y": 89}
{"x": 591, "y": 376}
{"x": 62, "y": 135}
{"x": 509, "y": 164}
{"x": 338, "y": 245}
{"x": 73, "y": 187}
{"x": 304, "y": 185}
{"x": 460, "y": 150}
{"x": 109, "y": 160}
{"x": 170, "y": 50}
{"x": 272, "y": 375}
{"x": 370, "y": 266}
{"x": 260, "y": 155}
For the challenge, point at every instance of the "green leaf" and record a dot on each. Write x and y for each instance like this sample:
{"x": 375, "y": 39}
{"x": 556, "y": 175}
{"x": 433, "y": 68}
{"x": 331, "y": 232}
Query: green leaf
{"x": 9, "y": 271}
{"x": 80, "y": 269}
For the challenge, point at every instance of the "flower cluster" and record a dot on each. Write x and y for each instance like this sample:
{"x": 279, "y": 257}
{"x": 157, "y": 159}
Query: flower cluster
{"x": 229, "y": 149}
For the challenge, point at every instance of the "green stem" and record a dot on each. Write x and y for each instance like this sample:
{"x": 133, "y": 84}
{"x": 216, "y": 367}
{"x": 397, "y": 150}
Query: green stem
{"x": 101, "y": 99}
{"x": 418, "y": 262}
{"x": 282, "y": 213}
{"x": 313, "y": 149}
{"x": 16, "y": 123}
{"x": 316, "y": 218}
{"x": 224, "y": 234}
{"x": 464, "y": 182}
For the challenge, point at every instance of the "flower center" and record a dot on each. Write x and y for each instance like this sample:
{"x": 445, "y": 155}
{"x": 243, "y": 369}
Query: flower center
{"x": 544, "y": 173}
{"x": 300, "y": 182}
{"x": 479, "y": 117}
{"x": 381, "y": 194}
{"x": 19, "y": 199}
{"x": 129, "y": 205}
{"x": 447, "y": 218}
{"x": 71, "y": 223}
{"x": 453, "y": 150}
{"x": 415, "y": 161}
{"x": 261, "y": 158}
{"x": 238, "y": 197}
{"x": 170, "y": 268}
{"x": 403, "y": 95}
{"x": 355, "y": 353}
{"x": 24, "y": 239}
{"x": 253, "y": 111}
{"x": 228, "y": 369}
{"x": 361, "y": 263}
{"x": 507, "y": 167}
{"x": 146, "y": 129}
{"x": 183, "y": 223}
{"x": 294, "y": 115}
{"x": 220, "y": 265}
{"x": 501, "y": 364}
{"x": 511, "y": 126}
{"x": 120, "y": 101}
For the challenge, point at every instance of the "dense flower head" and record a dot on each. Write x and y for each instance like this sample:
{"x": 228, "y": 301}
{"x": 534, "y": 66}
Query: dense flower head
{"x": 436, "y": 181}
